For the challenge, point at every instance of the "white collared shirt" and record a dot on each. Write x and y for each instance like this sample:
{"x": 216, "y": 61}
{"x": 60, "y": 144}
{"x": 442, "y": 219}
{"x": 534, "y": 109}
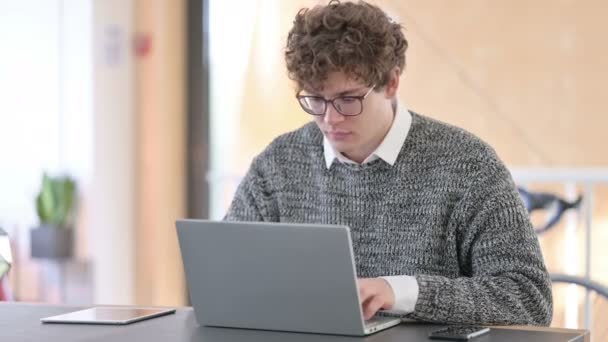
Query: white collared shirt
{"x": 404, "y": 287}
{"x": 389, "y": 148}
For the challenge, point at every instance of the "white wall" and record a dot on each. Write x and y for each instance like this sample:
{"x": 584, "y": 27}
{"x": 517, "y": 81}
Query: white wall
{"x": 112, "y": 197}
{"x": 46, "y": 90}
{"x": 66, "y": 106}
{"x": 29, "y": 104}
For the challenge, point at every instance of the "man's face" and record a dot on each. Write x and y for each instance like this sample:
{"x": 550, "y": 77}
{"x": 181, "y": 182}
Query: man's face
{"x": 354, "y": 136}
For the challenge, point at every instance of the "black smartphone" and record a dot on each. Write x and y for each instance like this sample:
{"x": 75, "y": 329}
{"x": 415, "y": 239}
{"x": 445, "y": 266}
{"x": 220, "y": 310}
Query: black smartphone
{"x": 458, "y": 332}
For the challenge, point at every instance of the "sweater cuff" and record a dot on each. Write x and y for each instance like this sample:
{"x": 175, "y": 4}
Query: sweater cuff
{"x": 430, "y": 306}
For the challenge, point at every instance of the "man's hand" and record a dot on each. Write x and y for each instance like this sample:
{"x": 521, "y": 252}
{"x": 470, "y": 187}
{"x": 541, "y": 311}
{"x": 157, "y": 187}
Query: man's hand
{"x": 375, "y": 294}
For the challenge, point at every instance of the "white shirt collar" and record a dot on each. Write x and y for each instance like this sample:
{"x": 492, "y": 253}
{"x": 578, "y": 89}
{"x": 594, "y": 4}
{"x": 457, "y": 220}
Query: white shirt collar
{"x": 389, "y": 148}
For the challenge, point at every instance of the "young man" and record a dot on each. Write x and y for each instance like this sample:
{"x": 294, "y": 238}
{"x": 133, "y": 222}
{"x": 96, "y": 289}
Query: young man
{"x": 438, "y": 229}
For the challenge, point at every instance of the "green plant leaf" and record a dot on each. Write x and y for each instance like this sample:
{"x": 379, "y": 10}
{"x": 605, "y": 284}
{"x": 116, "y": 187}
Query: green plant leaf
{"x": 46, "y": 201}
{"x": 55, "y": 202}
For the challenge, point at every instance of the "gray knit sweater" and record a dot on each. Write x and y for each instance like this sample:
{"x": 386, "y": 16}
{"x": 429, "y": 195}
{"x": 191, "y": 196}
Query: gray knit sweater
{"x": 447, "y": 212}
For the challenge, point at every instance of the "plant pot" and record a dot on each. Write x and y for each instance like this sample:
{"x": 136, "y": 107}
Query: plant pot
{"x": 50, "y": 242}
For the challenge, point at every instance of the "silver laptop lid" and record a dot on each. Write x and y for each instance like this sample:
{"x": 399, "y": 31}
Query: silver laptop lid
{"x": 272, "y": 276}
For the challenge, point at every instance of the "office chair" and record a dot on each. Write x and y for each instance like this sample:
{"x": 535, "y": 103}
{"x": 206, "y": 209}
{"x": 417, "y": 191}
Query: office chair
{"x": 553, "y": 204}
{"x": 598, "y": 288}
{"x": 556, "y": 207}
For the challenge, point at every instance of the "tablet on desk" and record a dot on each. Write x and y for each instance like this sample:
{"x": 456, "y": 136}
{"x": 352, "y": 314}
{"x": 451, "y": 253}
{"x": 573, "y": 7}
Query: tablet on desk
{"x": 108, "y": 315}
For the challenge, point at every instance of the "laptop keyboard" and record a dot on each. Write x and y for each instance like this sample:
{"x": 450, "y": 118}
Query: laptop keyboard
{"x": 374, "y": 321}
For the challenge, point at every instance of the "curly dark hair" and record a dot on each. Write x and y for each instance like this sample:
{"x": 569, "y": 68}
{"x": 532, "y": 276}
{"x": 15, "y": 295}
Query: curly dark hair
{"x": 358, "y": 39}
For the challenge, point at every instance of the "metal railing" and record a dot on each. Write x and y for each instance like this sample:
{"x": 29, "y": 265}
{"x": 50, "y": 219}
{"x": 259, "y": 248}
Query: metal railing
{"x": 589, "y": 179}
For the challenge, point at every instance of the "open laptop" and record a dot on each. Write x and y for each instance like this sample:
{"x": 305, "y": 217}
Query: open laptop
{"x": 274, "y": 276}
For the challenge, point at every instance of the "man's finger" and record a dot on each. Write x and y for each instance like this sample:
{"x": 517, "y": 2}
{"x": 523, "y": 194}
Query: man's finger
{"x": 365, "y": 292}
{"x": 371, "y": 307}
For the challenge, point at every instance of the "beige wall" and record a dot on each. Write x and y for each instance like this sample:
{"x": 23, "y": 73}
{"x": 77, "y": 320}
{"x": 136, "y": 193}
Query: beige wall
{"x": 525, "y": 76}
{"x": 161, "y": 136}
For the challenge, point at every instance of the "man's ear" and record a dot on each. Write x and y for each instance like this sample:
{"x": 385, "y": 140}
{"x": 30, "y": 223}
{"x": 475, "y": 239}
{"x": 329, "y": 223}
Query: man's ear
{"x": 393, "y": 83}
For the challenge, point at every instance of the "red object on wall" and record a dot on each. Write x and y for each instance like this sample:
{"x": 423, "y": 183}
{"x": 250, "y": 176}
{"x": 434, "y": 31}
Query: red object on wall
{"x": 142, "y": 44}
{"x": 3, "y": 292}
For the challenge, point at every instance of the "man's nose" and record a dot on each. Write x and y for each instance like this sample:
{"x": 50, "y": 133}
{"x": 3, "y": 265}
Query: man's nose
{"x": 332, "y": 116}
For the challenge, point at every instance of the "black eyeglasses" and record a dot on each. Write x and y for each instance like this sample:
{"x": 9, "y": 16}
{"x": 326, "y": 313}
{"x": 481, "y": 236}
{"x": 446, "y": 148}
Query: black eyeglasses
{"x": 345, "y": 105}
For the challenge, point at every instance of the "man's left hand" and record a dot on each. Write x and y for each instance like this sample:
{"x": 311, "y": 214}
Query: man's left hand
{"x": 375, "y": 294}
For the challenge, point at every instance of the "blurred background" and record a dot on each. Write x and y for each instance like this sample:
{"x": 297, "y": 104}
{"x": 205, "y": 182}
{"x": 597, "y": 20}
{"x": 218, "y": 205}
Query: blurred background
{"x": 145, "y": 111}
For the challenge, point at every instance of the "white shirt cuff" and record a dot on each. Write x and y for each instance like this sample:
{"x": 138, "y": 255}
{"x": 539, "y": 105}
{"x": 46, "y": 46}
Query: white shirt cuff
{"x": 406, "y": 290}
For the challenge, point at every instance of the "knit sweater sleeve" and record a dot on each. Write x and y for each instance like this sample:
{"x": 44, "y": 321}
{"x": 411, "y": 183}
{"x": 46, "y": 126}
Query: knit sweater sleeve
{"x": 250, "y": 201}
{"x": 503, "y": 277}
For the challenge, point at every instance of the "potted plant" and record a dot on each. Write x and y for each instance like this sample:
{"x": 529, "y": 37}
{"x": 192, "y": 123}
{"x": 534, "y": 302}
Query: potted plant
{"x": 56, "y": 206}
